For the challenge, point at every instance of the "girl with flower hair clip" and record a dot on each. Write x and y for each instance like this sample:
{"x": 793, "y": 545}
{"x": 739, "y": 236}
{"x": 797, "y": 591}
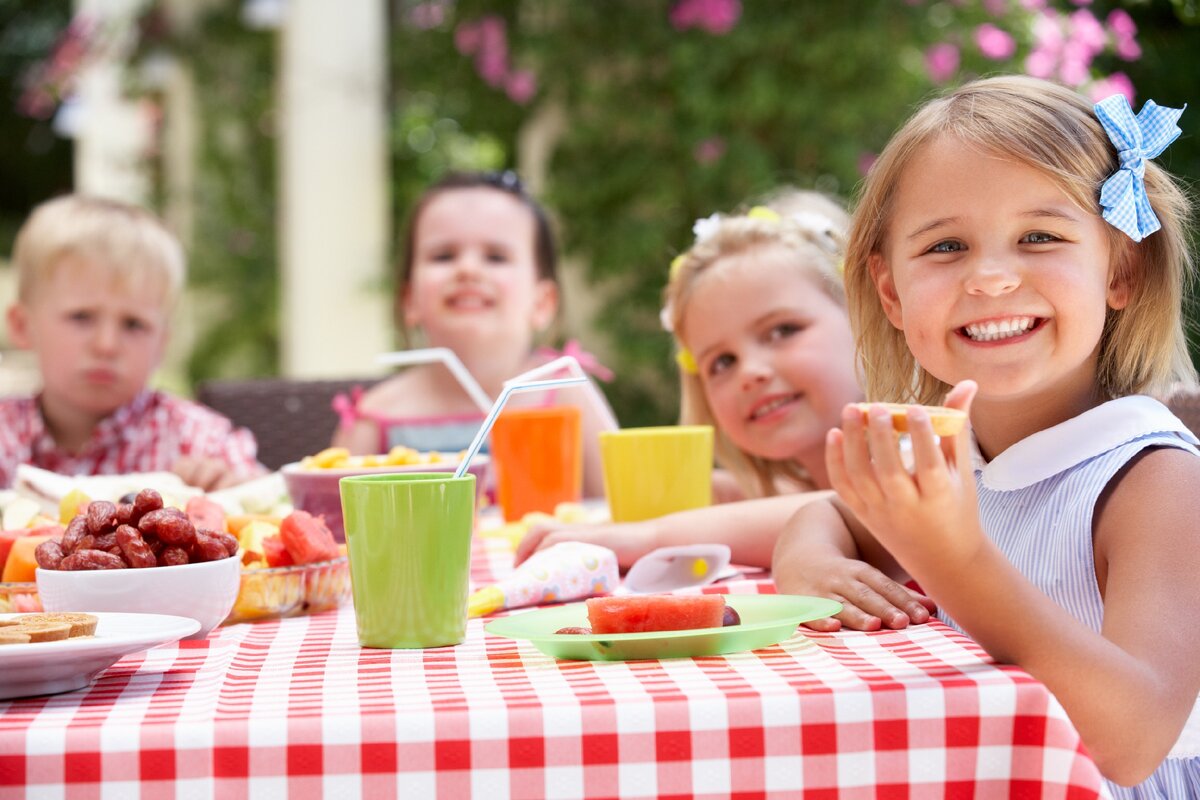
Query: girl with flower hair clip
{"x": 1016, "y": 247}
{"x": 765, "y": 357}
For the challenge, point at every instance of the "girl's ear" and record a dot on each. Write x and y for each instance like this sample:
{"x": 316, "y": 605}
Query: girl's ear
{"x": 545, "y": 304}
{"x": 18, "y": 326}
{"x": 1118, "y": 282}
{"x": 885, "y": 287}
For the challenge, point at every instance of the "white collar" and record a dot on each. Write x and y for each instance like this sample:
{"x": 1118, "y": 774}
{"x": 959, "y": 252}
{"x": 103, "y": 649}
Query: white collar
{"x": 1095, "y": 431}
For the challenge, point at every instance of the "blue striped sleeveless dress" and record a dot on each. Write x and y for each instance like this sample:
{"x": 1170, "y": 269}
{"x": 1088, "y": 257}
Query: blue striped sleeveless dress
{"x": 1049, "y": 483}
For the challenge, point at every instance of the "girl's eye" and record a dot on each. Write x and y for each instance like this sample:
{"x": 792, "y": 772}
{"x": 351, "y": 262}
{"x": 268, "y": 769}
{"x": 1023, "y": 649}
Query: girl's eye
{"x": 720, "y": 364}
{"x": 1039, "y": 237}
{"x": 783, "y": 330}
{"x": 497, "y": 257}
{"x": 135, "y": 325}
{"x": 948, "y": 246}
{"x": 441, "y": 255}
{"x": 80, "y": 316}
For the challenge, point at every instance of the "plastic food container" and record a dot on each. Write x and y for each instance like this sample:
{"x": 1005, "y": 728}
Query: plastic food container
{"x": 19, "y": 598}
{"x": 278, "y": 592}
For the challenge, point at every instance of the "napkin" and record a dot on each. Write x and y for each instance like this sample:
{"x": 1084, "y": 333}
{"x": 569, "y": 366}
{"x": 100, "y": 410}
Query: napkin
{"x": 566, "y": 571}
{"x": 670, "y": 568}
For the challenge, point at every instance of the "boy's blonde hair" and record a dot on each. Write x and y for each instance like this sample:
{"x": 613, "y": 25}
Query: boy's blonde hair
{"x": 130, "y": 243}
{"x": 1054, "y": 130}
{"x": 812, "y": 226}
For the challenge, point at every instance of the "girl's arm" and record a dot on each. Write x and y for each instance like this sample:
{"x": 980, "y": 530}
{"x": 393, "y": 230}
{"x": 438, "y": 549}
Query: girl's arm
{"x": 749, "y": 527}
{"x": 1128, "y": 689}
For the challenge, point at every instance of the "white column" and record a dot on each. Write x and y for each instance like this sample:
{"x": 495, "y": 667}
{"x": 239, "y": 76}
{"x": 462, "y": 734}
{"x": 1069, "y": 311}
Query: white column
{"x": 334, "y": 188}
{"x": 111, "y": 132}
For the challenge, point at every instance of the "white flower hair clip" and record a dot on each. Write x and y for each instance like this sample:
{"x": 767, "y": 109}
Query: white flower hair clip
{"x": 706, "y": 227}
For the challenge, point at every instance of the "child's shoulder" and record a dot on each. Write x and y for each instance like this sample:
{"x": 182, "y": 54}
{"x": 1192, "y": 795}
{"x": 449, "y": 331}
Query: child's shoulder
{"x": 410, "y": 393}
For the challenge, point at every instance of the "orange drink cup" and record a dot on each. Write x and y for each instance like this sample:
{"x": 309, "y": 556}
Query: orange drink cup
{"x": 538, "y": 455}
{"x": 649, "y": 472}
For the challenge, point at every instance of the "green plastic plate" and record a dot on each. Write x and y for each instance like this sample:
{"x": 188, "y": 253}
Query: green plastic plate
{"x": 767, "y": 619}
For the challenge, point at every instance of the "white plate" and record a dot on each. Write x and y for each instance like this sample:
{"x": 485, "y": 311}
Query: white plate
{"x": 69, "y": 664}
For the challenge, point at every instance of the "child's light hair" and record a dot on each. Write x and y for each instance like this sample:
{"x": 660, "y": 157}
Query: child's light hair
{"x": 132, "y": 245}
{"x": 813, "y": 227}
{"x": 1054, "y": 130}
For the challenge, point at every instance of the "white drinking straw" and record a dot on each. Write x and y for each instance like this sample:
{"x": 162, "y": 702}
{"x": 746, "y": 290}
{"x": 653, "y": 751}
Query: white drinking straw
{"x": 510, "y": 388}
{"x": 569, "y": 363}
{"x": 428, "y": 355}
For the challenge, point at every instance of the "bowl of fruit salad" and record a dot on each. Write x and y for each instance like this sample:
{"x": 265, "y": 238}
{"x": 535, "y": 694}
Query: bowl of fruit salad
{"x": 291, "y": 566}
{"x": 313, "y": 481}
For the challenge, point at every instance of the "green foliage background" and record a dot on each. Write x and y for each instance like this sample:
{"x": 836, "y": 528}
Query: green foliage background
{"x": 795, "y": 93}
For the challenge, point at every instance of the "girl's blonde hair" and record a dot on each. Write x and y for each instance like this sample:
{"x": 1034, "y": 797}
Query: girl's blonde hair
{"x": 130, "y": 243}
{"x": 813, "y": 227}
{"x": 1054, "y": 130}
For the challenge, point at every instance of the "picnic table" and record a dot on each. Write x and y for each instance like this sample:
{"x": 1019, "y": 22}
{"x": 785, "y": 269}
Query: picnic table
{"x": 296, "y": 706}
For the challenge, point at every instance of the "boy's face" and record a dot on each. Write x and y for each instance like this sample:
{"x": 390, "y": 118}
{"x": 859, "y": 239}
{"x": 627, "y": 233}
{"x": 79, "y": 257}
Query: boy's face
{"x": 97, "y": 342}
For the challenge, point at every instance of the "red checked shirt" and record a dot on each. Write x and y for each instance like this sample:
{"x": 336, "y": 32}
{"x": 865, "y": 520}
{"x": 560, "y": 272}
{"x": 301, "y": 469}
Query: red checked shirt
{"x": 148, "y": 435}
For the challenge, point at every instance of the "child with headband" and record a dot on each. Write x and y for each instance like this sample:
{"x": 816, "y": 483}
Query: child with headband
{"x": 766, "y": 358}
{"x": 1015, "y": 246}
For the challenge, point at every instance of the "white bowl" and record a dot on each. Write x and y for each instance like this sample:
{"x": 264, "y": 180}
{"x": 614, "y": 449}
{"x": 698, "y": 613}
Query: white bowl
{"x": 205, "y": 591}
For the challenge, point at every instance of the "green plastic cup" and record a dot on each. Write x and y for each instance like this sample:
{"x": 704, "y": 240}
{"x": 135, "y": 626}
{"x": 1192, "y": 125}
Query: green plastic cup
{"x": 408, "y": 537}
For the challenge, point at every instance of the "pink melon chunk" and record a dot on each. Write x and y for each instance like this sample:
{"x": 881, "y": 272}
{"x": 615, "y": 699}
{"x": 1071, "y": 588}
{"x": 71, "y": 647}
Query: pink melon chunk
{"x": 655, "y": 612}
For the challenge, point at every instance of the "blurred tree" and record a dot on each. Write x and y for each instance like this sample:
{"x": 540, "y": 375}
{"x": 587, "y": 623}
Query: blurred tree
{"x": 37, "y": 162}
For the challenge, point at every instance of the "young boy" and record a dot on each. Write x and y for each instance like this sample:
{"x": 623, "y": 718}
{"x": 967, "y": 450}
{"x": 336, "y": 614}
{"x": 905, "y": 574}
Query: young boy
{"x": 97, "y": 280}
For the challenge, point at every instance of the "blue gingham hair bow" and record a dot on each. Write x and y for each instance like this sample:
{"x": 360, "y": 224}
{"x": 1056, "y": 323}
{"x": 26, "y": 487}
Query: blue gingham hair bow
{"x": 1123, "y": 195}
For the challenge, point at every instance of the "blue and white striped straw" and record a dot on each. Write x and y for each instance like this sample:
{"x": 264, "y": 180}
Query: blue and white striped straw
{"x": 509, "y": 389}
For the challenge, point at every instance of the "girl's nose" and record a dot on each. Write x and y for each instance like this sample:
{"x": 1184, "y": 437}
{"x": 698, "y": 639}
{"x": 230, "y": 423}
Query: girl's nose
{"x": 992, "y": 276}
{"x": 755, "y": 370}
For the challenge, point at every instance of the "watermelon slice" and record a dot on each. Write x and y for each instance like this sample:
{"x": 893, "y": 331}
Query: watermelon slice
{"x": 307, "y": 538}
{"x": 275, "y": 553}
{"x": 205, "y": 513}
{"x": 655, "y": 612}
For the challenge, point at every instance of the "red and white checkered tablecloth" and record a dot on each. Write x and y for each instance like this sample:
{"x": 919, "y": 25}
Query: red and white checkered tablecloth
{"x": 296, "y": 707}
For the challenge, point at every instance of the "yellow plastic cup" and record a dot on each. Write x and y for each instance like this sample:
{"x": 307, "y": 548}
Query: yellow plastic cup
{"x": 649, "y": 472}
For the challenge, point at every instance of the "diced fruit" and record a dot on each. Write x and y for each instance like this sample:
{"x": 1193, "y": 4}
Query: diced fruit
{"x": 21, "y": 562}
{"x": 251, "y": 536}
{"x": 7, "y": 538}
{"x": 19, "y": 513}
{"x": 307, "y": 538}
{"x": 236, "y": 522}
{"x": 276, "y": 554}
{"x": 205, "y": 513}
{"x": 71, "y": 505}
{"x": 655, "y": 612}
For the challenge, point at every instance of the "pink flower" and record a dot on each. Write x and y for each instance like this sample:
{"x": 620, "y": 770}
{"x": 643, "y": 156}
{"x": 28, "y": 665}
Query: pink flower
{"x": 521, "y": 86}
{"x": 467, "y": 37}
{"x": 1041, "y": 63}
{"x": 1087, "y": 31}
{"x": 1117, "y": 83}
{"x": 941, "y": 61}
{"x": 994, "y": 43}
{"x": 427, "y": 15}
{"x": 1073, "y": 72}
{"x": 1047, "y": 32}
{"x": 709, "y": 150}
{"x": 1128, "y": 50}
{"x": 715, "y": 16}
{"x": 1121, "y": 24}
{"x": 866, "y": 161}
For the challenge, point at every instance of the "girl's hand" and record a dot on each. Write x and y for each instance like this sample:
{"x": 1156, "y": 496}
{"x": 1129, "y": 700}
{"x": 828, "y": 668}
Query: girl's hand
{"x": 927, "y": 518}
{"x": 870, "y": 599}
{"x": 630, "y": 540}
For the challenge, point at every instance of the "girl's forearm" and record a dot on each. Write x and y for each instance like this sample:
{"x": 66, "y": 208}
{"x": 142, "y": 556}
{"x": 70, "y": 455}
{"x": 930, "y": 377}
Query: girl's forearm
{"x": 749, "y": 527}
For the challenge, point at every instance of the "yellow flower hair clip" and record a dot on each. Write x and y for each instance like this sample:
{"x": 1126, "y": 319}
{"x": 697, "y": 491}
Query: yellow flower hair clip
{"x": 764, "y": 213}
{"x": 686, "y": 361}
{"x": 676, "y": 265}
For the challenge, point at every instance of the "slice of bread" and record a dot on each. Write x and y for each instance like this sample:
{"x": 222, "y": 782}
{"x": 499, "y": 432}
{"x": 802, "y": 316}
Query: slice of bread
{"x": 81, "y": 624}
